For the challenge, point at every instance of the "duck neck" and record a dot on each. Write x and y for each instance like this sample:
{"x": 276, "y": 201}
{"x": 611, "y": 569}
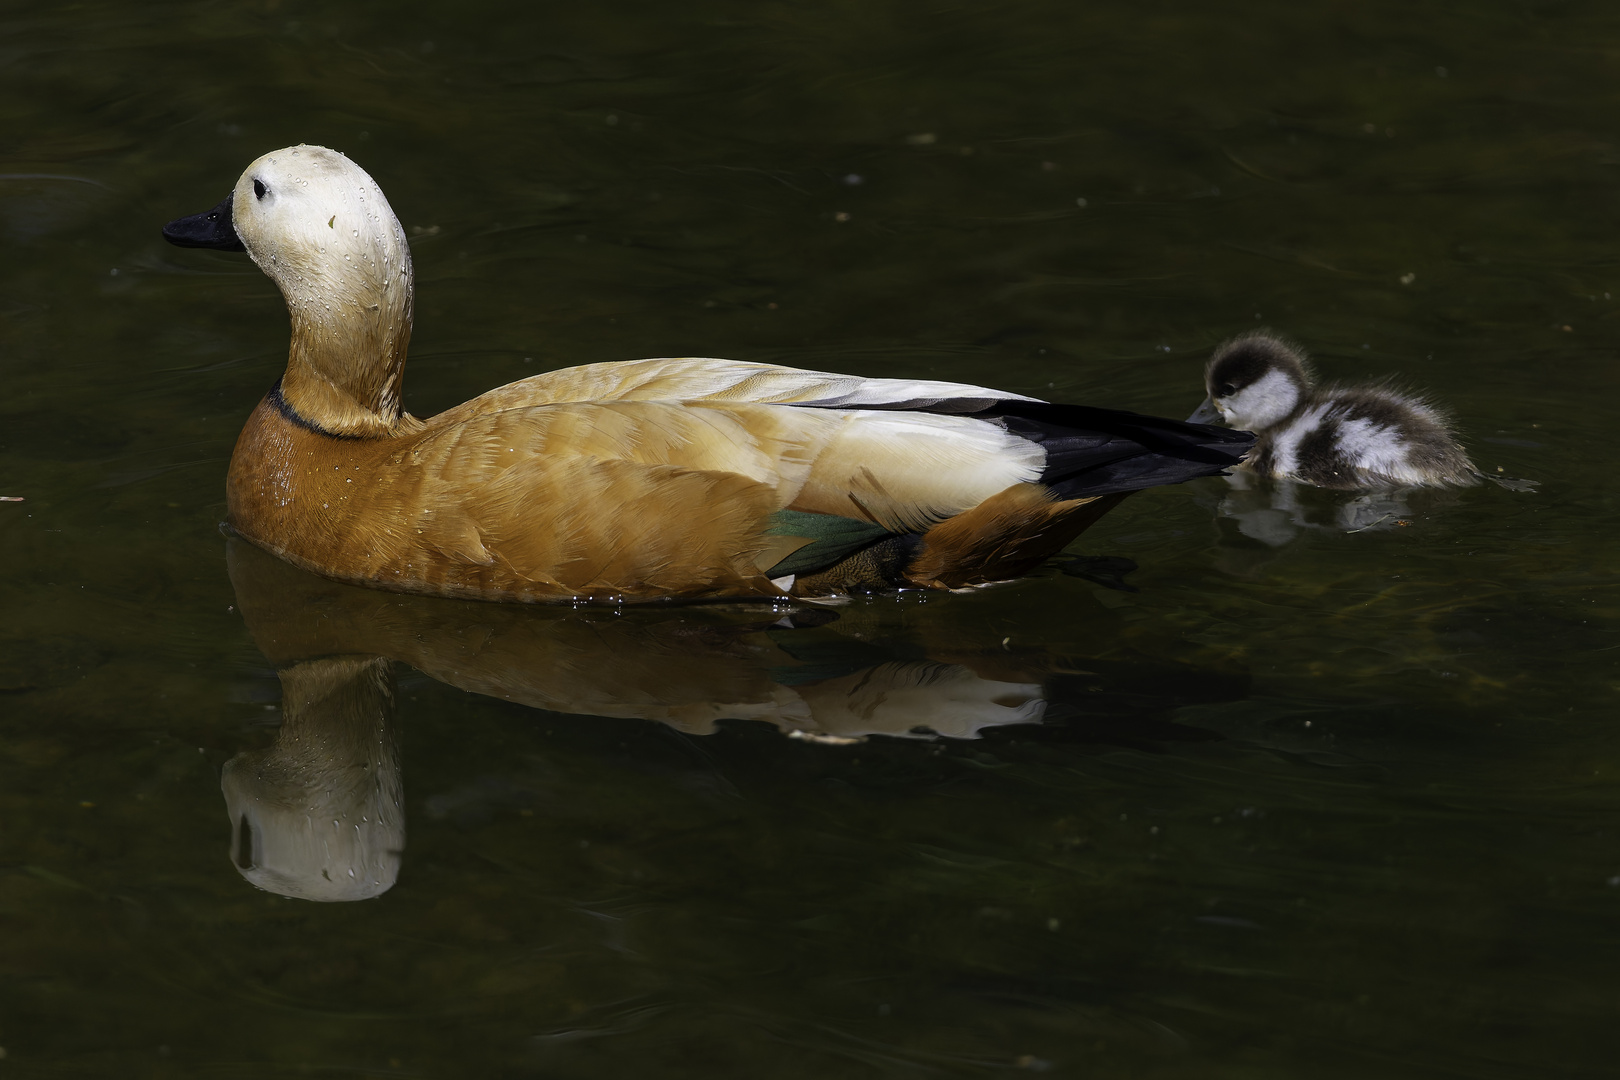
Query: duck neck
{"x": 347, "y": 361}
{"x": 337, "y": 712}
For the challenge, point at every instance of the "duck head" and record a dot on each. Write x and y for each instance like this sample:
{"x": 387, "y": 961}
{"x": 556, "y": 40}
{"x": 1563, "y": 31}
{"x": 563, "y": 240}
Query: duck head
{"x": 320, "y": 227}
{"x": 1255, "y": 382}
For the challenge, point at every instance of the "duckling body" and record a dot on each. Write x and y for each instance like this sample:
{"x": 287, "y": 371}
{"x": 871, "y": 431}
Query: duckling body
{"x": 1346, "y": 438}
{"x": 667, "y": 478}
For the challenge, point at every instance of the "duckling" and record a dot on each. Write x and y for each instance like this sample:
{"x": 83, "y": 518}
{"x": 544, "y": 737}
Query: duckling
{"x": 1348, "y": 438}
{"x": 672, "y": 478}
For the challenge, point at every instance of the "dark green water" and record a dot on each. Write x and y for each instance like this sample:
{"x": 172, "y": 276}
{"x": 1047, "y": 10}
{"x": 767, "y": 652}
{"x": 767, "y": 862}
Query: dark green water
{"x": 1333, "y": 805}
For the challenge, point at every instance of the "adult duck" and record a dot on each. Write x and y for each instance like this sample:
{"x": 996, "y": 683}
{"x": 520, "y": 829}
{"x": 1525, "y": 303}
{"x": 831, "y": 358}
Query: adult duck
{"x": 649, "y": 479}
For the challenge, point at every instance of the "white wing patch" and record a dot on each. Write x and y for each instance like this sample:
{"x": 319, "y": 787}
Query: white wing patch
{"x": 910, "y": 470}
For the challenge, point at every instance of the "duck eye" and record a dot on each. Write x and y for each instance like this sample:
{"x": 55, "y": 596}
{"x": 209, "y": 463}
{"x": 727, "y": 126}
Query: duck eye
{"x": 259, "y": 189}
{"x": 1224, "y": 389}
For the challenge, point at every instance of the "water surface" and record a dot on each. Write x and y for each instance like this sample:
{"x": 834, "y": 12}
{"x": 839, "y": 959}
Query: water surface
{"x": 1308, "y": 802}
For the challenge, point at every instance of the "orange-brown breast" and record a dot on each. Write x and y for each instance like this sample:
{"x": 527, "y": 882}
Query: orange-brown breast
{"x": 442, "y": 510}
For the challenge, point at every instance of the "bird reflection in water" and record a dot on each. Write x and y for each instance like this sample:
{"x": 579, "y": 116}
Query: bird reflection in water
{"x": 1277, "y": 512}
{"x": 319, "y": 814}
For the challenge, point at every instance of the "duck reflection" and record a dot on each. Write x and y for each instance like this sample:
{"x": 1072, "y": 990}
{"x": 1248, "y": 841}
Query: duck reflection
{"x": 320, "y": 815}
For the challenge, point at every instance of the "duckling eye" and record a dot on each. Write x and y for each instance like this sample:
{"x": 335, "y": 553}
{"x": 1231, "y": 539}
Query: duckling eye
{"x": 259, "y": 189}
{"x": 1225, "y": 389}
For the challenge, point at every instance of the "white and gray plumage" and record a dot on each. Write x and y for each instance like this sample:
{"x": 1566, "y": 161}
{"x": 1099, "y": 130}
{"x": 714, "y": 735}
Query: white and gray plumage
{"x": 1347, "y": 438}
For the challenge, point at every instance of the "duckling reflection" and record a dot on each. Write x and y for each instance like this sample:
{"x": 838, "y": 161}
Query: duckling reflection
{"x": 319, "y": 815}
{"x": 1277, "y": 512}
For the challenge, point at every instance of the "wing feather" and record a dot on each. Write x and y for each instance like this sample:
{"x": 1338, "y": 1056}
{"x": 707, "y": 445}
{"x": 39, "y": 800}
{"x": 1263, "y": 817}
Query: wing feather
{"x": 704, "y": 379}
{"x": 901, "y": 470}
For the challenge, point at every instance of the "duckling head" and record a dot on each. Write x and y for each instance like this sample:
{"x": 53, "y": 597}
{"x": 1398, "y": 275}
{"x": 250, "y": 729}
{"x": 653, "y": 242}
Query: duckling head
{"x": 1255, "y": 382}
{"x": 319, "y": 226}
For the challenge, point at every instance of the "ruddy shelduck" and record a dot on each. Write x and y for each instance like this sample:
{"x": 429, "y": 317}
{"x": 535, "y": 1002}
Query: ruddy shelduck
{"x": 643, "y": 480}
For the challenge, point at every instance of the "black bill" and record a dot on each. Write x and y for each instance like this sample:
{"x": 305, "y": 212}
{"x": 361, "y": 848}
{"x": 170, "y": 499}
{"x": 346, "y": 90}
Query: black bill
{"x": 209, "y": 229}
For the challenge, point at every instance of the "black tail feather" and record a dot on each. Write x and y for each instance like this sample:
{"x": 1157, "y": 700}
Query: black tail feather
{"x": 1092, "y": 451}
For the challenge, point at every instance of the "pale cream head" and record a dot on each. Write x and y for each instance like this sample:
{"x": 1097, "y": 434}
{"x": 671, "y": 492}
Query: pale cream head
{"x": 319, "y": 225}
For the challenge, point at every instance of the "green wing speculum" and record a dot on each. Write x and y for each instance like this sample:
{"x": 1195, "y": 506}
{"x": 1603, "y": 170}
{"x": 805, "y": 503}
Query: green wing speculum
{"x": 832, "y": 540}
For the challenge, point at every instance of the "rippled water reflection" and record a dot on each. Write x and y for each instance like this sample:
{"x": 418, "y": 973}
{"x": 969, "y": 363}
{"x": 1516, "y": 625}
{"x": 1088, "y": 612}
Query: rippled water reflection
{"x": 1309, "y": 801}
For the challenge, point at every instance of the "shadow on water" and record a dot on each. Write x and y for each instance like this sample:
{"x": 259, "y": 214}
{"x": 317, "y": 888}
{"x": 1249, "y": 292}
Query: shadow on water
{"x": 319, "y": 814}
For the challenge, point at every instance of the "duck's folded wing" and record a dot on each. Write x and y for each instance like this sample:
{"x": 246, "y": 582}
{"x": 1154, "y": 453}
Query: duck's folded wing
{"x": 899, "y": 469}
{"x": 709, "y": 380}
{"x": 933, "y": 448}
